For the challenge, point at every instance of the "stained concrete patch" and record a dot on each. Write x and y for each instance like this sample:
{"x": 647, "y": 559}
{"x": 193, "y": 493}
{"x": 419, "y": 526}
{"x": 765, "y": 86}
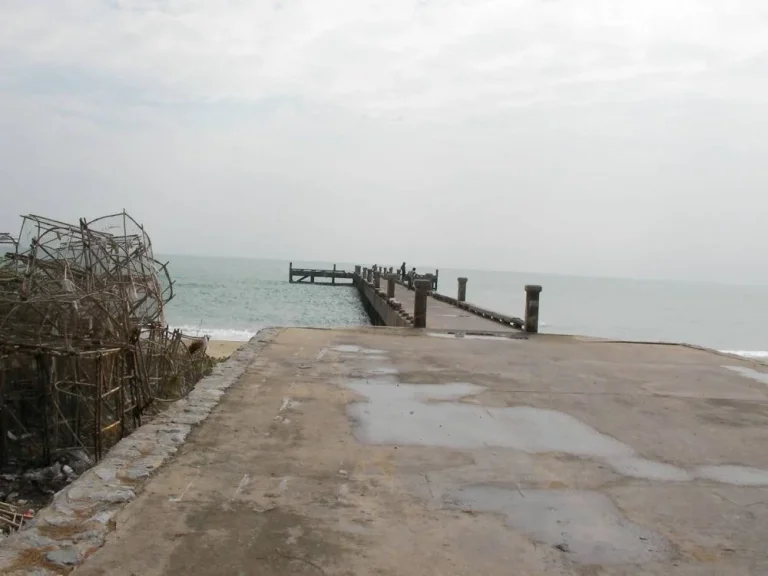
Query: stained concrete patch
{"x": 78, "y": 518}
{"x": 428, "y": 415}
{"x": 279, "y": 542}
{"x": 584, "y": 525}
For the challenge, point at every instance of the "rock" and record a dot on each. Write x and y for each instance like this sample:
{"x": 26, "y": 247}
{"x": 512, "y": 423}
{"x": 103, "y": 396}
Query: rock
{"x": 50, "y": 476}
{"x": 66, "y": 556}
{"x": 79, "y": 461}
{"x": 106, "y": 473}
{"x": 105, "y": 493}
{"x": 67, "y": 470}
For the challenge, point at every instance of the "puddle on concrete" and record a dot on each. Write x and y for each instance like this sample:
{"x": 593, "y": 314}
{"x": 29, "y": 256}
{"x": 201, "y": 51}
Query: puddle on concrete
{"x": 737, "y": 475}
{"x": 428, "y": 415}
{"x": 761, "y": 377}
{"x": 352, "y": 349}
{"x": 585, "y": 525}
{"x": 636, "y": 467}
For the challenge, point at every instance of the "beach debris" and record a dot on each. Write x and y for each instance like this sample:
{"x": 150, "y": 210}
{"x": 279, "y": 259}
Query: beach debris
{"x": 85, "y": 352}
{"x": 198, "y": 345}
{"x": 12, "y": 518}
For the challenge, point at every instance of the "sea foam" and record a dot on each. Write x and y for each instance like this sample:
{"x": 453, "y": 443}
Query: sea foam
{"x": 748, "y": 353}
{"x": 218, "y": 333}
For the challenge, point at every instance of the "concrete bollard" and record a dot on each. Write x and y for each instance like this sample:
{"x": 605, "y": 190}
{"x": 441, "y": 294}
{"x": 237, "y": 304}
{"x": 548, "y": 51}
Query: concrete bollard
{"x": 420, "y": 303}
{"x": 369, "y": 276}
{"x": 391, "y": 285}
{"x": 532, "y": 293}
{"x": 462, "y": 290}
{"x": 357, "y": 270}
{"x": 377, "y": 279}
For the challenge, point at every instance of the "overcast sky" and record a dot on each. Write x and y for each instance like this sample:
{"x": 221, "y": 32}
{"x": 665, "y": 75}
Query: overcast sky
{"x": 606, "y": 137}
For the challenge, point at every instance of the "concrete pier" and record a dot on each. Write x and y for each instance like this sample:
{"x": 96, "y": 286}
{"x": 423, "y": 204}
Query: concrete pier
{"x": 442, "y": 313}
{"x": 391, "y": 285}
{"x": 532, "y": 294}
{"x": 420, "y": 303}
{"x": 462, "y": 295}
{"x": 379, "y": 451}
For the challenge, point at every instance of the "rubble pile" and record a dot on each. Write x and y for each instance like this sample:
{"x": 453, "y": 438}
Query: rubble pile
{"x": 85, "y": 352}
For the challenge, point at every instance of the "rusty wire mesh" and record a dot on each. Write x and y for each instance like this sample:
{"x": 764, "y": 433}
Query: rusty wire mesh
{"x": 84, "y": 348}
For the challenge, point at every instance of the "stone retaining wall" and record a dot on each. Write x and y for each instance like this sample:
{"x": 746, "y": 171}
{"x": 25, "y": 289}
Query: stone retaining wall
{"x": 80, "y": 516}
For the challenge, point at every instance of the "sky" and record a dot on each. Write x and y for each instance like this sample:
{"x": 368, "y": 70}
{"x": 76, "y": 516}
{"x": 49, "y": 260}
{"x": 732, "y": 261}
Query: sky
{"x": 592, "y": 137}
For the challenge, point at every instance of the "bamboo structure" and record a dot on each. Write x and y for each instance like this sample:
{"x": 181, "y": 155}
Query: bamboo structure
{"x": 84, "y": 348}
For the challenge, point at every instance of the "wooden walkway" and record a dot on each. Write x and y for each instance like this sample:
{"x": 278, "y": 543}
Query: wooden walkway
{"x": 443, "y": 316}
{"x": 309, "y": 275}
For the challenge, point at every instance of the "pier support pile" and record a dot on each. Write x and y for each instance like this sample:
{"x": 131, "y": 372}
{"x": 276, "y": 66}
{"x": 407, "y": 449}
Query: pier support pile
{"x": 84, "y": 349}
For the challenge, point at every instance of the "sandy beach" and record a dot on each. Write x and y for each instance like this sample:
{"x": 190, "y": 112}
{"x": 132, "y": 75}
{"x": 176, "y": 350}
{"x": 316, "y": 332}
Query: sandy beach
{"x": 223, "y": 348}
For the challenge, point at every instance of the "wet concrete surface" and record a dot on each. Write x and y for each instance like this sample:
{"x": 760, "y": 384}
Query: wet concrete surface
{"x": 380, "y": 451}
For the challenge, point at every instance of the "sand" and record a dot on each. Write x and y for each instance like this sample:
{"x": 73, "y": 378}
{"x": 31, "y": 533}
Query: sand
{"x": 223, "y": 348}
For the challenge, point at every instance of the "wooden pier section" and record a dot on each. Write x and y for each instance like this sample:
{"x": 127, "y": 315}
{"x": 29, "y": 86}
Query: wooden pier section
{"x": 310, "y": 276}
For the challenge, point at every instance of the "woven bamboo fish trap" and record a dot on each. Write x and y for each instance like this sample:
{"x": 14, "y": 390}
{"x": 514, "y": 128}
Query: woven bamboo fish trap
{"x": 85, "y": 351}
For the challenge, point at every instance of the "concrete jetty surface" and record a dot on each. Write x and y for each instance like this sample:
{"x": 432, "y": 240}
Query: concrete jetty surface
{"x": 398, "y": 452}
{"x": 442, "y": 316}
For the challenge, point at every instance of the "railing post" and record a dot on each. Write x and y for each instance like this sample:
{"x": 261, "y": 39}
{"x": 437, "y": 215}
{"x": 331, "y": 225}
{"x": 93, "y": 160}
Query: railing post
{"x": 333, "y": 279}
{"x": 420, "y": 303}
{"x": 369, "y": 277}
{"x": 391, "y": 286}
{"x": 377, "y": 279}
{"x": 532, "y": 293}
{"x": 290, "y": 273}
{"x": 357, "y": 270}
{"x": 437, "y": 275}
{"x": 462, "y": 290}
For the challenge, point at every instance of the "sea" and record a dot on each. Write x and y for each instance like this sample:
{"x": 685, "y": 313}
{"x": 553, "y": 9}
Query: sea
{"x": 233, "y": 298}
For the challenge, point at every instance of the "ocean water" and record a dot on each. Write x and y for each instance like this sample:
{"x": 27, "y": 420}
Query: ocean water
{"x": 232, "y": 299}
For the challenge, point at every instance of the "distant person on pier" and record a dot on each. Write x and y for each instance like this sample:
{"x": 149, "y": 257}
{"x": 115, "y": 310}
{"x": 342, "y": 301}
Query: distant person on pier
{"x": 411, "y": 278}
{"x": 402, "y": 272}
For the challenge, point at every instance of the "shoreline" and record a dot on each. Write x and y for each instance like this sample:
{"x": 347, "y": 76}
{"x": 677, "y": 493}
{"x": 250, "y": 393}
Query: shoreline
{"x": 223, "y": 349}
